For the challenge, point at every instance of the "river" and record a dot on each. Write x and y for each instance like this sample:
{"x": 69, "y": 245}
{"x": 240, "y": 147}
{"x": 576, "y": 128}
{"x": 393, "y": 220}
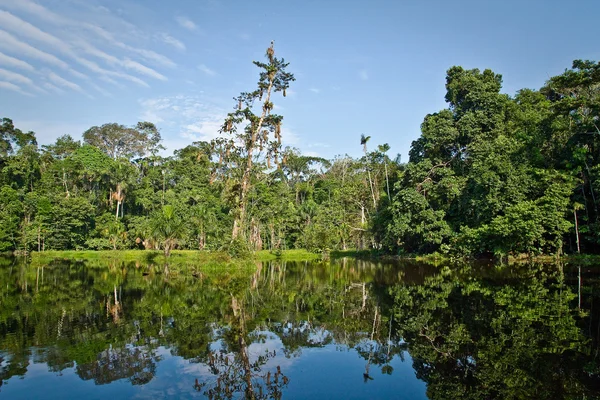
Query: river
{"x": 336, "y": 329}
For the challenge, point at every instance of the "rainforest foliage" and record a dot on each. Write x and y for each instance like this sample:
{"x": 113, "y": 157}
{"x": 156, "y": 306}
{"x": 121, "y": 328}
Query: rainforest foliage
{"x": 492, "y": 174}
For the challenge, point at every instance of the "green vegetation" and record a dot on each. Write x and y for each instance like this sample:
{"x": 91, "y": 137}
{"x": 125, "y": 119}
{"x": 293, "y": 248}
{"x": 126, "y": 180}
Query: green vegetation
{"x": 511, "y": 332}
{"x": 491, "y": 176}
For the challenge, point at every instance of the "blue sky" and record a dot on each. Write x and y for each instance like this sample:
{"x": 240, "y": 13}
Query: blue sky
{"x": 373, "y": 67}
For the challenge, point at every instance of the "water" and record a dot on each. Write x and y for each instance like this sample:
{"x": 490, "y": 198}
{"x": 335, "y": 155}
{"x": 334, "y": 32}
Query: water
{"x": 342, "y": 329}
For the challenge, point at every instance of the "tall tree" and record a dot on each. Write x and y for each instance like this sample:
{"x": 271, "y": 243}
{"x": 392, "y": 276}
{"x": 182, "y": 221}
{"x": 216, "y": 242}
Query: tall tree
{"x": 262, "y": 131}
{"x": 363, "y": 141}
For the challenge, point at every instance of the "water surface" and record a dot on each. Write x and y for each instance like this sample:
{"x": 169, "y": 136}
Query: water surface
{"x": 342, "y": 329}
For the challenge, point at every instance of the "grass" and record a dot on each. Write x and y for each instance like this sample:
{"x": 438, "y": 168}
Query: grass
{"x": 221, "y": 259}
{"x": 177, "y": 256}
{"x": 288, "y": 255}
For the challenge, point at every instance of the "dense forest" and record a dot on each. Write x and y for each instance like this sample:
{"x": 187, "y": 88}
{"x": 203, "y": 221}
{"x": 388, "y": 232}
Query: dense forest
{"x": 491, "y": 175}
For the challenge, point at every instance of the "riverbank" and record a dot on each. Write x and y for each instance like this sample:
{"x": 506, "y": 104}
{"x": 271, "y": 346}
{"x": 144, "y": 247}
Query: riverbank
{"x": 196, "y": 256}
{"x": 223, "y": 259}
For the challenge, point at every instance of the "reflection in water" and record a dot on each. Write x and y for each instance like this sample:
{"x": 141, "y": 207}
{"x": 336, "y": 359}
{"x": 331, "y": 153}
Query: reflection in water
{"x": 339, "y": 328}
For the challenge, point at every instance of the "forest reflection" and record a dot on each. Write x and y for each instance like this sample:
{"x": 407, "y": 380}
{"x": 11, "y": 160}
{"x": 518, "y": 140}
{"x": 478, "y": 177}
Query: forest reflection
{"x": 470, "y": 331}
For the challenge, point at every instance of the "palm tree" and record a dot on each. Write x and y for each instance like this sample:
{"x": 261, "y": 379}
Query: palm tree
{"x": 363, "y": 140}
{"x": 167, "y": 228}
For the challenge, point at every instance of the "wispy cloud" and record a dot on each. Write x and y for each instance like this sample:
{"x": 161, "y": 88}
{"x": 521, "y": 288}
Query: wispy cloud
{"x": 206, "y": 70}
{"x": 72, "y": 37}
{"x": 11, "y": 44}
{"x": 33, "y": 8}
{"x": 315, "y": 90}
{"x": 363, "y": 74}
{"x": 170, "y": 40}
{"x": 318, "y": 145}
{"x": 16, "y": 78}
{"x": 9, "y": 61}
{"x": 133, "y": 65}
{"x": 186, "y": 23}
{"x": 24, "y": 28}
{"x": 64, "y": 82}
{"x": 53, "y": 88}
{"x": 106, "y": 73}
{"x": 100, "y": 90}
{"x": 14, "y": 88}
{"x": 184, "y": 118}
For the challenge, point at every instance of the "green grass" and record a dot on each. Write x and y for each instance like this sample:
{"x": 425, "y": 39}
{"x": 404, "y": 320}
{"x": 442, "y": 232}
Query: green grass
{"x": 201, "y": 257}
{"x": 288, "y": 255}
{"x": 177, "y": 256}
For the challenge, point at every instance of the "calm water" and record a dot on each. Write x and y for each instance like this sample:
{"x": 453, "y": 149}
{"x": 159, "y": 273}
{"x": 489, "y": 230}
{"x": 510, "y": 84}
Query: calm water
{"x": 343, "y": 329}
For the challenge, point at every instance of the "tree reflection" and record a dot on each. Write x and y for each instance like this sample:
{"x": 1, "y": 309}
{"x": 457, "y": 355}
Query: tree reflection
{"x": 472, "y": 332}
{"x": 136, "y": 364}
{"x": 236, "y": 371}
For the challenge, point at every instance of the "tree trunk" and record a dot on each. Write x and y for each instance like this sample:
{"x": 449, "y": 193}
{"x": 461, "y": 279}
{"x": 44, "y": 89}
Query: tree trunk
{"x": 576, "y": 231}
{"x": 239, "y": 221}
{"x": 387, "y": 182}
{"x": 372, "y": 191}
{"x": 240, "y": 318}
{"x": 67, "y": 194}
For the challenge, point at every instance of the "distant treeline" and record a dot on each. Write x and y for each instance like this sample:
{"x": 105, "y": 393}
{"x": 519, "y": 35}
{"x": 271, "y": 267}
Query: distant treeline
{"x": 490, "y": 175}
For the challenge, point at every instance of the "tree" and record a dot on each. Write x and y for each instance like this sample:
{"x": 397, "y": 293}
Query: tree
{"x": 384, "y": 148}
{"x": 255, "y": 136}
{"x": 119, "y": 141}
{"x": 167, "y": 228}
{"x": 363, "y": 141}
{"x": 12, "y": 138}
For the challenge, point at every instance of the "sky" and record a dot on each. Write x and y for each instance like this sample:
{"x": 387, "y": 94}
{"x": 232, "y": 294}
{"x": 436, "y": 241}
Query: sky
{"x": 362, "y": 67}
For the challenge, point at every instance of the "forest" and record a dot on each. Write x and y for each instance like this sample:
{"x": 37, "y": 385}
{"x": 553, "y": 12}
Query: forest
{"x": 491, "y": 175}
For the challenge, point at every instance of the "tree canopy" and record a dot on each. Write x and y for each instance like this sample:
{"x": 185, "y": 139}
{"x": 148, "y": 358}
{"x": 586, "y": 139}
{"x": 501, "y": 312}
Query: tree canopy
{"x": 490, "y": 175}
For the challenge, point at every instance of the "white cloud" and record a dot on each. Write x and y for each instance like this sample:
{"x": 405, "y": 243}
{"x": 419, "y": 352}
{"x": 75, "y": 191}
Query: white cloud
{"x": 11, "y": 44}
{"x": 9, "y": 61}
{"x": 184, "y": 119}
{"x": 186, "y": 23}
{"x": 14, "y": 77}
{"x": 18, "y": 79}
{"x": 133, "y": 65}
{"x": 206, "y": 70}
{"x": 318, "y": 144}
{"x": 64, "y": 82}
{"x": 314, "y": 90}
{"x": 147, "y": 54}
{"x": 105, "y": 73}
{"x": 35, "y": 9}
{"x": 363, "y": 75}
{"x": 14, "y": 88}
{"x": 101, "y": 90}
{"x": 78, "y": 74}
{"x": 53, "y": 88}
{"x": 77, "y": 30}
{"x": 245, "y": 36}
{"x": 170, "y": 40}
{"x": 23, "y": 28}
